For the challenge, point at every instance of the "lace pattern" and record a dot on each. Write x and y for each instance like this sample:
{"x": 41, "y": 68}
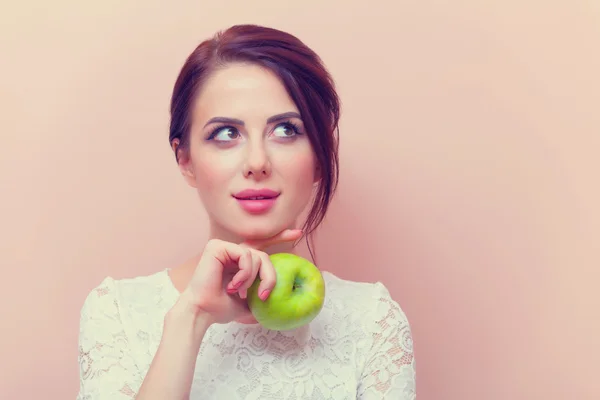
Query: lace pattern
{"x": 359, "y": 347}
{"x": 106, "y": 366}
{"x": 390, "y": 371}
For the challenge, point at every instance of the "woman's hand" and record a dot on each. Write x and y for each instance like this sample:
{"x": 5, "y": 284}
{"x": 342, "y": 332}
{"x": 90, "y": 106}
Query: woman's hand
{"x": 226, "y": 271}
{"x": 216, "y": 294}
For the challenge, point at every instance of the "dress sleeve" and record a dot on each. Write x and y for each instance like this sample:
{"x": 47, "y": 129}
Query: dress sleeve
{"x": 106, "y": 368}
{"x": 390, "y": 365}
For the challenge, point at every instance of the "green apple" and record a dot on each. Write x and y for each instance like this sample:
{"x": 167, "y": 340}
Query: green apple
{"x": 297, "y": 297}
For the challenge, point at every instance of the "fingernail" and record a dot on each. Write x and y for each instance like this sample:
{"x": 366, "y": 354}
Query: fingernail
{"x": 232, "y": 290}
{"x": 264, "y": 294}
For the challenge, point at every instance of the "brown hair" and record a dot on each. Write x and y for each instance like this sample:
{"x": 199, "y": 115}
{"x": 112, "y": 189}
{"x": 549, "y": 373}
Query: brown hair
{"x": 303, "y": 74}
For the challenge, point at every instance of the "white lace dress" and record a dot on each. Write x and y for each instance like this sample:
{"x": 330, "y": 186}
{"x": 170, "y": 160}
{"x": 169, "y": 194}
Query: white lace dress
{"x": 358, "y": 347}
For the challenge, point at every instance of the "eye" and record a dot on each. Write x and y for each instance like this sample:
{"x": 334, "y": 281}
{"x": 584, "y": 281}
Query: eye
{"x": 224, "y": 134}
{"x": 286, "y": 130}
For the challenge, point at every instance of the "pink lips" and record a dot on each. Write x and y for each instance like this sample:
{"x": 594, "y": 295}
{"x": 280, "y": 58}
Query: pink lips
{"x": 256, "y": 201}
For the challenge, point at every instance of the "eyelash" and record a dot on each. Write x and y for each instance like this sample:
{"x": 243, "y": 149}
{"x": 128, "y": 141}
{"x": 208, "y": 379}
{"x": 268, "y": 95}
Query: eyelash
{"x": 294, "y": 126}
{"x": 290, "y": 124}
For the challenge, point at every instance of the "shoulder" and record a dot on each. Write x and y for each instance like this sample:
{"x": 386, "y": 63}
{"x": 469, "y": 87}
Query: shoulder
{"x": 369, "y": 301}
{"x": 111, "y": 294}
{"x": 102, "y": 296}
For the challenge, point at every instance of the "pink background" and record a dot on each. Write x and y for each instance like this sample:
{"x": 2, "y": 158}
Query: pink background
{"x": 470, "y": 162}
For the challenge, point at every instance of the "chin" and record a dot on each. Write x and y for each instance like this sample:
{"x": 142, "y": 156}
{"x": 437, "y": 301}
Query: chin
{"x": 257, "y": 233}
{"x": 254, "y": 228}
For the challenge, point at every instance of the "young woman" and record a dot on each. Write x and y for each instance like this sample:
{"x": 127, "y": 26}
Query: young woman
{"x": 254, "y": 118}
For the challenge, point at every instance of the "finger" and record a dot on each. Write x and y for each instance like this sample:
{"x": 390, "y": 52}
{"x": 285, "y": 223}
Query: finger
{"x": 287, "y": 235}
{"x": 256, "y": 266}
{"x": 245, "y": 266}
{"x": 268, "y": 277}
{"x": 224, "y": 252}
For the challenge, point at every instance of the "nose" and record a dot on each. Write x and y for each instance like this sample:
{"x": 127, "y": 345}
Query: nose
{"x": 258, "y": 165}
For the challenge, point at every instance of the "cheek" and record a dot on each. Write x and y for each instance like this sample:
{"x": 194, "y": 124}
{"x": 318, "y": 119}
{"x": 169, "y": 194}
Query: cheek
{"x": 300, "y": 169}
{"x": 211, "y": 173}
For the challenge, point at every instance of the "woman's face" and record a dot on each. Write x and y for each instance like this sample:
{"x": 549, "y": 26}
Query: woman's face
{"x": 247, "y": 135}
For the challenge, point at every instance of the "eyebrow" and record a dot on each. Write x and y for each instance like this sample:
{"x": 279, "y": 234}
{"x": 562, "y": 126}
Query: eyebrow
{"x": 235, "y": 121}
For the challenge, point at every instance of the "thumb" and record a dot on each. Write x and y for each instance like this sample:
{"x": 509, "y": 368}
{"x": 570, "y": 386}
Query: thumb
{"x": 287, "y": 235}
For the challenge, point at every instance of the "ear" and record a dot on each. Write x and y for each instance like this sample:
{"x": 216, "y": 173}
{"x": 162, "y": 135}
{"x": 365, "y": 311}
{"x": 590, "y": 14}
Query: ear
{"x": 184, "y": 163}
{"x": 318, "y": 175}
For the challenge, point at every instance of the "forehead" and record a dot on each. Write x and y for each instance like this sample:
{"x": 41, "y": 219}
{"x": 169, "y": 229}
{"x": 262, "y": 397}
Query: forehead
{"x": 243, "y": 91}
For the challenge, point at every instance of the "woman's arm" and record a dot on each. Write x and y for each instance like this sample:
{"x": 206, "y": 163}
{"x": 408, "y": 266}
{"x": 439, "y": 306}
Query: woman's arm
{"x": 390, "y": 367}
{"x": 172, "y": 370}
